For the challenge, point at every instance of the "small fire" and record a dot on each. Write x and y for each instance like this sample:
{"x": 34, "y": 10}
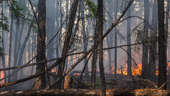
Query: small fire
{"x": 2, "y": 75}
{"x": 135, "y": 70}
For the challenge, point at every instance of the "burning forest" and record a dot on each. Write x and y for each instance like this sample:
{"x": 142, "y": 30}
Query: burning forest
{"x": 84, "y": 48}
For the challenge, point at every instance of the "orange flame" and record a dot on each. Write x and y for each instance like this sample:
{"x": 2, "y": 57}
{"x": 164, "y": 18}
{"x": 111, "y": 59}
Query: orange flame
{"x": 135, "y": 70}
{"x": 2, "y": 75}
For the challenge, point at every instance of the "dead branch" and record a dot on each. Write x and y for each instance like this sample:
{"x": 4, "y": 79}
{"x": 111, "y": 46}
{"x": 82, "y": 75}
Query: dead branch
{"x": 32, "y": 76}
{"x": 26, "y": 65}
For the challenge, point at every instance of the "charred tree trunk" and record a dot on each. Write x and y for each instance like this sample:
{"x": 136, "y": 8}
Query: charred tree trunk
{"x": 145, "y": 38}
{"x": 99, "y": 23}
{"x": 116, "y": 31}
{"x": 153, "y": 47}
{"x": 129, "y": 63}
{"x": 40, "y": 82}
{"x": 94, "y": 60}
{"x": 162, "y": 41}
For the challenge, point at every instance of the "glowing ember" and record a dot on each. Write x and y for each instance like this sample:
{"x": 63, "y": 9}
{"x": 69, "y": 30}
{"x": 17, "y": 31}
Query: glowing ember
{"x": 157, "y": 72}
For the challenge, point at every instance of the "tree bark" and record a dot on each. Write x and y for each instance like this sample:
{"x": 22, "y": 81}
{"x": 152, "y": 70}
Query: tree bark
{"x": 94, "y": 60}
{"x": 116, "y": 31}
{"x": 162, "y": 41}
{"x": 153, "y": 42}
{"x": 10, "y": 45}
{"x": 40, "y": 82}
{"x": 144, "y": 39}
{"x": 85, "y": 37}
{"x": 129, "y": 63}
{"x": 99, "y": 23}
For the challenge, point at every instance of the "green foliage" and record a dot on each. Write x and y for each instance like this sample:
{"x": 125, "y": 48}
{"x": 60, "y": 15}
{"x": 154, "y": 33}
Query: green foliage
{"x": 4, "y": 24}
{"x": 1, "y": 51}
{"x": 16, "y": 9}
{"x": 92, "y": 8}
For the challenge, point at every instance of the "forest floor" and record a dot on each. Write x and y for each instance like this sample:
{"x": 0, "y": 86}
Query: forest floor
{"x": 87, "y": 92}
{"x": 115, "y": 87}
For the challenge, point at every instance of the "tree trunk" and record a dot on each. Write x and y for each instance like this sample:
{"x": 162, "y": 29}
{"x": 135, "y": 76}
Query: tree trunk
{"x": 145, "y": 39}
{"x": 40, "y": 82}
{"x": 85, "y": 37}
{"x": 153, "y": 42}
{"x": 10, "y": 45}
{"x": 167, "y": 17}
{"x": 162, "y": 41}
{"x": 129, "y": 63}
{"x": 116, "y": 31}
{"x": 99, "y": 23}
{"x": 94, "y": 60}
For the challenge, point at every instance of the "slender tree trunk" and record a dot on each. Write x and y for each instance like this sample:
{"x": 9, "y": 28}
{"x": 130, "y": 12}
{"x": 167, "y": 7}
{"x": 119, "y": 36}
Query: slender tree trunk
{"x": 167, "y": 17}
{"x": 99, "y": 23}
{"x": 153, "y": 47}
{"x": 162, "y": 41}
{"x": 85, "y": 36}
{"x": 116, "y": 31}
{"x": 94, "y": 52}
{"x": 3, "y": 40}
{"x": 10, "y": 45}
{"x": 145, "y": 39}
{"x": 129, "y": 63}
{"x": 40, "y": 82}
{"x": 94, "y": 60}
